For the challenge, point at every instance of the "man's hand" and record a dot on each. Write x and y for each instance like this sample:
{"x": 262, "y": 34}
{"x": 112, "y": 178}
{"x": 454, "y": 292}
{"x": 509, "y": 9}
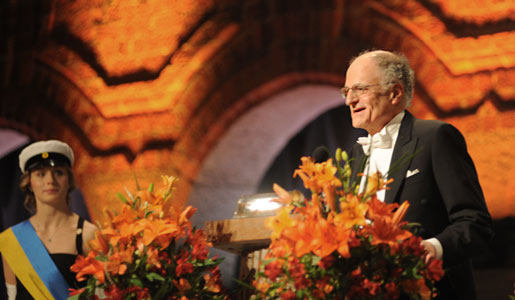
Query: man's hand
{"x": 430, "y": 249}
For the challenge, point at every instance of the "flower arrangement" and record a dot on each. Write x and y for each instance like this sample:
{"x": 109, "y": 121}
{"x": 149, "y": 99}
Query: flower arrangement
{"x": 341, "y": 244}
{"x": 149, "y": 250}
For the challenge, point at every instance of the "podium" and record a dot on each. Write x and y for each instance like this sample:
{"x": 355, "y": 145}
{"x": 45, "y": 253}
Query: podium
{"x": 246, "y": 237}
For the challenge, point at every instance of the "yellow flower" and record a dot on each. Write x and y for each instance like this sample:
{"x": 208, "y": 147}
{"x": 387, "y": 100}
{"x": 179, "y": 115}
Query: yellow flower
{"x": 376, "y": 182}
{"x": 352, "y": 212}
{"x": 279, "y": 222}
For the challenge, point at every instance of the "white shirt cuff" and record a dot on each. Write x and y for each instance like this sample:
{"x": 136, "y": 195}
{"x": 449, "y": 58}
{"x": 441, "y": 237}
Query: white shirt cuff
{"x": 438, "y": 247}
{"x": 11, "y": 291}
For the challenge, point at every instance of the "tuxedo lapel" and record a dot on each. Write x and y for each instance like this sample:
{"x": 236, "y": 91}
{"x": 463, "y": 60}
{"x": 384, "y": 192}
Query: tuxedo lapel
{"x": 357, "y": 163}
{"x": 404, "y": 148}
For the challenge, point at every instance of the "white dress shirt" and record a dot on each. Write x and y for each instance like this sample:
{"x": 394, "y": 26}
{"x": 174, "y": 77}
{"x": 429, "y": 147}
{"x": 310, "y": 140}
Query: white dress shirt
{"x": 380, "y": 148}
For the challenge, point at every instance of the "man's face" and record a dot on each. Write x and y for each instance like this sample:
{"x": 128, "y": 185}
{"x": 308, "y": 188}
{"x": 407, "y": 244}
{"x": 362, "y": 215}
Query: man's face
{"x": 369, "y": 105}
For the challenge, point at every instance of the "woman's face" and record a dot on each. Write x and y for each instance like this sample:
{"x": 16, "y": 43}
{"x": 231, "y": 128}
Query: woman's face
{"x": 50, "y": 185}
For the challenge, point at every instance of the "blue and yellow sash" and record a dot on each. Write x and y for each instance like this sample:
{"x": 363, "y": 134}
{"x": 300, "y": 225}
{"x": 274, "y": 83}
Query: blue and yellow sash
{"x": 31, "y": 263}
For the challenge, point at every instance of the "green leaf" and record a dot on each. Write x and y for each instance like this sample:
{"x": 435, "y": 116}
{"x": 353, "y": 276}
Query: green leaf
{"x": 136, "y": 281}
{"x": 148, "y": 212}
{"x": 102, "y": 258}
{"x": 164, "y": 290}
{"x": 206, "y": 263}
{"x": 244, "y": 284}
{"x": 151, "y": 187}
{"x": 91, "y": 286}
{"x": 405, "y": 158}
{"x": 154, "y": 276}
{"x": 137, "y": 203}
{"x": 140, "y": 263}
{"x": 74, "y": 297}
{"x": 138, "y": 188}
{"x": 122, "y": 197}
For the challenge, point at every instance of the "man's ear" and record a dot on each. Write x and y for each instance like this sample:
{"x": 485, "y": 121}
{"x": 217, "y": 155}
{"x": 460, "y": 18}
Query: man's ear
{"x": 396, "y": 93}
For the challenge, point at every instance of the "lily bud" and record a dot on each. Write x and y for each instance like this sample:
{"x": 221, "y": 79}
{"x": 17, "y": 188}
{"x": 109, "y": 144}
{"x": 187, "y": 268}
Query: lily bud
{"x": 338, "y": 155}
{"x": 345, "y": 156}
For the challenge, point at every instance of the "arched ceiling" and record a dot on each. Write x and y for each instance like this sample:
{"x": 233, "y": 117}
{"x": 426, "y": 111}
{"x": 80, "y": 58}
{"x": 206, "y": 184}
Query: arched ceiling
{"x": 140, "y": 88}
{"x": 228, "y": 172}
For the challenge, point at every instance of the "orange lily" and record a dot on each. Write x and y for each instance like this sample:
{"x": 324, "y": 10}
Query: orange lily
{"x": 281, "y": 247}
{"x": 126, "y": 214}
{"x": 125, "y": 232}
{"x": 99, "y": 244}
{"x": 284, "y": 196}
{"x": 211, "y": 283}
{"x": 88, "y": 266}
{"x": 325, "y": 239}
{"x": 170, "y": 208}
{"x": 317, "y": 175}
{"x": 159, "y": 230}
{"x": 386, "y": 230}
{"x": 383, "y": 231}
{"x": 400, "y": 212}
{"x": 303, "y": 237}
{"x": 343, "y": 244}
{"x": 183, "y": 285}
{"x": 417, "y": 286}
{"x": 330, "y": 197}
{"x": 115, "y": 265}
{"x": 153, "y": 257}
{"x": 375, "y": 183}
{"x": 379, "y": 209}
{"x": 186, "y": 215}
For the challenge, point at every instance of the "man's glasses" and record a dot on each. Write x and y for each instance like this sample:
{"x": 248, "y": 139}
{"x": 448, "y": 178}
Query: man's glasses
{"x": 357, "y": 90}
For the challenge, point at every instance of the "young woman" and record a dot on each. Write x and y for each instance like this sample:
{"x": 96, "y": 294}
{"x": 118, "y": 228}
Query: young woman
{"x": 37, "y": 253}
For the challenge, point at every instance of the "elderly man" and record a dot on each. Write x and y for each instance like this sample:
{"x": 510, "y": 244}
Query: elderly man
{"x": 438, "y": 179}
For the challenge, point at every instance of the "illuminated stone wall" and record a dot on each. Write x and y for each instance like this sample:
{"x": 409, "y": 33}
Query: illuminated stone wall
{"x": 144, "y": 88}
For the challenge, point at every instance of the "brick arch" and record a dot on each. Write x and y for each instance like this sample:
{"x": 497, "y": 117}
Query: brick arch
{"x": 152, "y": 117}
{"x": 35, "y": 115}
{"x": 439, "y": 73}
{"x": 241, "y": 156}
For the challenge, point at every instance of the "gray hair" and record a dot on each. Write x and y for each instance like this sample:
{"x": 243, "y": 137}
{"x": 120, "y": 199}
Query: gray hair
{"x": 396, "y": 69}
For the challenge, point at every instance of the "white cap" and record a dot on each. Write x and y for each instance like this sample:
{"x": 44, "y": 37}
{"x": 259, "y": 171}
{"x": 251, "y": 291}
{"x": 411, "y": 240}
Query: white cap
{"x": 46, "y": 153}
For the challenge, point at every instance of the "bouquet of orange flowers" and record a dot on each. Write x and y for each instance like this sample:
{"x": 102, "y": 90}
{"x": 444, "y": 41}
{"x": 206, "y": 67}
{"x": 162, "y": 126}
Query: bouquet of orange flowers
{"x": 149, "y": 250}
{"x": 341, "y": 244}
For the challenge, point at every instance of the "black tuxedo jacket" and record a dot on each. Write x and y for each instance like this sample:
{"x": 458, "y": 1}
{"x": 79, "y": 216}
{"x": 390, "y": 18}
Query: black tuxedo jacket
{"x": 440, "y": 183}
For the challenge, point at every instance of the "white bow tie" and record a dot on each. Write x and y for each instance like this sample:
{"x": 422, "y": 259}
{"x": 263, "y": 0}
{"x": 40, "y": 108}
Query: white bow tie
{"x": 379, "y": 140}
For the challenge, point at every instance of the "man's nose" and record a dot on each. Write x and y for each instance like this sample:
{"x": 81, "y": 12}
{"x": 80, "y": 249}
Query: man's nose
{"x": 350, "y": 99}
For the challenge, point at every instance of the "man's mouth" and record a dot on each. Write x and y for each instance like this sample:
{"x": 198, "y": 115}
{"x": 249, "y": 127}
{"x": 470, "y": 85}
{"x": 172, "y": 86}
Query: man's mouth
{"x": 356, "y": 110}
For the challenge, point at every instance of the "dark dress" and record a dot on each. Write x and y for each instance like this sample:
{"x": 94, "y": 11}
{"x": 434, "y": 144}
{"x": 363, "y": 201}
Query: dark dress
{"x": 63, "y": 263}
